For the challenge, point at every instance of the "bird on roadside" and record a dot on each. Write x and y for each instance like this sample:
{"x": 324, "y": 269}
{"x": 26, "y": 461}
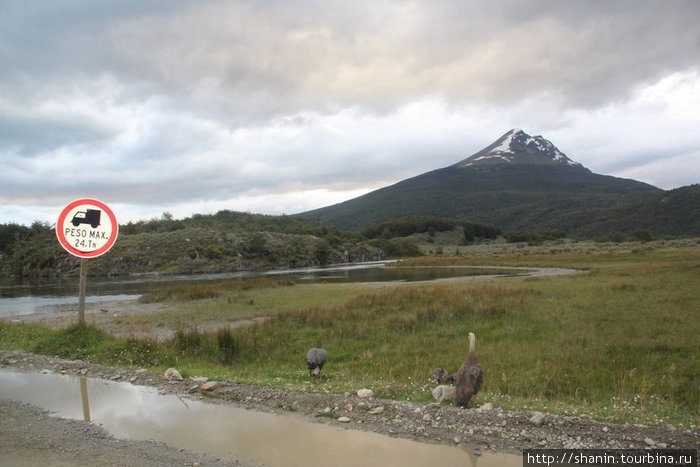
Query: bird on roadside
{"x": 315, "y": 359}
{"x": 469, "y": 377}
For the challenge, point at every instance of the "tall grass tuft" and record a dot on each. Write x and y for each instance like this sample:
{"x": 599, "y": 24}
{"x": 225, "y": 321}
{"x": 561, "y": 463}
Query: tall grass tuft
{"x": 188, "y": 342}
{"x": 228, "y": 345}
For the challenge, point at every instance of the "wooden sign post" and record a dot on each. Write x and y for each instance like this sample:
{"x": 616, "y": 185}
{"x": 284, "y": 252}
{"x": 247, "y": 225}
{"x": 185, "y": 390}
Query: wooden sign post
{"x": 86, "y": 228}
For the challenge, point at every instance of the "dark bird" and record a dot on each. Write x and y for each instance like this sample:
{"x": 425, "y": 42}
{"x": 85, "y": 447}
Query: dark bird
{"x": 315, "y": 359}
{"x": 469, "y": 377}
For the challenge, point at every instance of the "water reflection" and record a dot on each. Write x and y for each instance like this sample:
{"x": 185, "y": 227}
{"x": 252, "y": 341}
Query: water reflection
{"x": 136, "y": 412}
{"x": 84, "y": 398}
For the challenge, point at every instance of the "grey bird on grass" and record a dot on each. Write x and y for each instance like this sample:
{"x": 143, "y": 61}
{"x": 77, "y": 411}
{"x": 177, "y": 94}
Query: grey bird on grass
{"x": 315, "y": 359}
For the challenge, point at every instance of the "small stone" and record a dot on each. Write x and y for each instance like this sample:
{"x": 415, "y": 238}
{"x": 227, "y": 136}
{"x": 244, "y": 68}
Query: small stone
{"x": 504, "y": 423}
{"x": 605, "y": 429}
{"x": 543, "y": 442}
{"x": 456, "y": 440}
{"x": 487, "y": 406}
{"x": 661, "y": 445}
{"x": 537, "y": 419}
{"x": 476, "y": 452}
{"x": 365, "y": 393}
{"x": 209, "y": 386}
{"x": 171, "y": 374}
{"x": 344, "y": 420}
{"x": 377, "y": 410}
{"x": 327, "y": 410}
{"x": 650, "y": 441}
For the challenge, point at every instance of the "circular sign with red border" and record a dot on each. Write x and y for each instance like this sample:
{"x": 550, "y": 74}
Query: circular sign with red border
{"x": 87, "y": 228}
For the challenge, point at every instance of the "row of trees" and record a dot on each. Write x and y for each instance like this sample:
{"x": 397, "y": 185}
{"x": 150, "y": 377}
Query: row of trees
{"x": 409, "y": 225}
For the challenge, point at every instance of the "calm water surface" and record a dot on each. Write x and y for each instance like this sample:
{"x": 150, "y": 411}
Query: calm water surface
{"x": 228, "y": 432}
{"x": 30, "y": 296}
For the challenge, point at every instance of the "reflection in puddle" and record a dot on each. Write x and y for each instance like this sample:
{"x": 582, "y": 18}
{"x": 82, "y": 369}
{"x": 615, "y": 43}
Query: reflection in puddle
{"x": 226, "y": 432}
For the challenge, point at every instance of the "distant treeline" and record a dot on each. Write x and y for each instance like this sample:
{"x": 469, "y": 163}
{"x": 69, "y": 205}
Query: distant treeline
{"x": 237, "y": 221}
{"x": 409, "y": 225}
{"x": 534, "y": 238}
{"x": 13, "y": 234}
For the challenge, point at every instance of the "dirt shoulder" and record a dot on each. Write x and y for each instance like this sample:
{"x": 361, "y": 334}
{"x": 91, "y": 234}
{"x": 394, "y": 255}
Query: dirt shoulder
{"x": 483, "y": 429}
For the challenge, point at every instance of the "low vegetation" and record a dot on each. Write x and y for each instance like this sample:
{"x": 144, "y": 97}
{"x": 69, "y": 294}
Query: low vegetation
{"x": 225, "y": 241}
{"x": 617, "y": 343}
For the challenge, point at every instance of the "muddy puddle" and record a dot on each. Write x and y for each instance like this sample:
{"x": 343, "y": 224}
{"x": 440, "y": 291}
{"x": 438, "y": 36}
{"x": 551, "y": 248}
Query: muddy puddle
{"x": 262, "y": 439}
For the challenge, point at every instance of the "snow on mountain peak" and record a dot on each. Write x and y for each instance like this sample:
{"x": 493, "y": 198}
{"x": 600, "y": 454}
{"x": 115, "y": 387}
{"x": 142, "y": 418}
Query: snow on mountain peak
{"x": 517, "y": 147}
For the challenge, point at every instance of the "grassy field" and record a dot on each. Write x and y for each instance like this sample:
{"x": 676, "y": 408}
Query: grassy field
{"x": 617, "y": 343}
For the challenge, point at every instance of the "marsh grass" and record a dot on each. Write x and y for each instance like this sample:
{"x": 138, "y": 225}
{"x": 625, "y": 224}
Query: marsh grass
{"x": 239, "y": 300}
{"x": 190, "y": 292}
{"x": 86, "y": 342}
{"x": 617, "y": 343}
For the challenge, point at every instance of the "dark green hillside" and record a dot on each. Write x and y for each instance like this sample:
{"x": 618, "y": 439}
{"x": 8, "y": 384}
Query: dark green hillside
{"x": 523, "y": 197}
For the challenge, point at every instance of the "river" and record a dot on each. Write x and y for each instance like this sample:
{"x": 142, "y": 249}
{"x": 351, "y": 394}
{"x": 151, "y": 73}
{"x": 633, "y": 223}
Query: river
{"x": 19, "y": 297}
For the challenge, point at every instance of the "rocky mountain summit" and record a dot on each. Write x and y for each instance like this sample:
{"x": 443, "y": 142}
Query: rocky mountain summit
{"x": 517, "y": 147}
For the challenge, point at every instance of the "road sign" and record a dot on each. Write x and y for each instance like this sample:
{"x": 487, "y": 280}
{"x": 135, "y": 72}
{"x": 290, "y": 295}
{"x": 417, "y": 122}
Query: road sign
{"x": 87, "y": 228}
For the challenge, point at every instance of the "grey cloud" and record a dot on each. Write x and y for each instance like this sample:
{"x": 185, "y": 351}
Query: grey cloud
{"x": 274, "y": 61}
{"x": 158, "y": 94}
{"x": 257, "y": 59}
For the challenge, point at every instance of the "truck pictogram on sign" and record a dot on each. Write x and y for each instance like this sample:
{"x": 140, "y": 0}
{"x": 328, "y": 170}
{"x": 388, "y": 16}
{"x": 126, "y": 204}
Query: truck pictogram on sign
{"x": 90, "y": 216}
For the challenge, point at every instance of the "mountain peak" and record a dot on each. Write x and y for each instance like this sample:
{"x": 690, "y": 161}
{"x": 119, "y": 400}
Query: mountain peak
{"x": 517, "y": 147}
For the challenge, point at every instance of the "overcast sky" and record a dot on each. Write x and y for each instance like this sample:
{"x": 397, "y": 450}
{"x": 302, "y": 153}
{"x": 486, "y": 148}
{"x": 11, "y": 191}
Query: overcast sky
{"x": 278, "y": 107}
